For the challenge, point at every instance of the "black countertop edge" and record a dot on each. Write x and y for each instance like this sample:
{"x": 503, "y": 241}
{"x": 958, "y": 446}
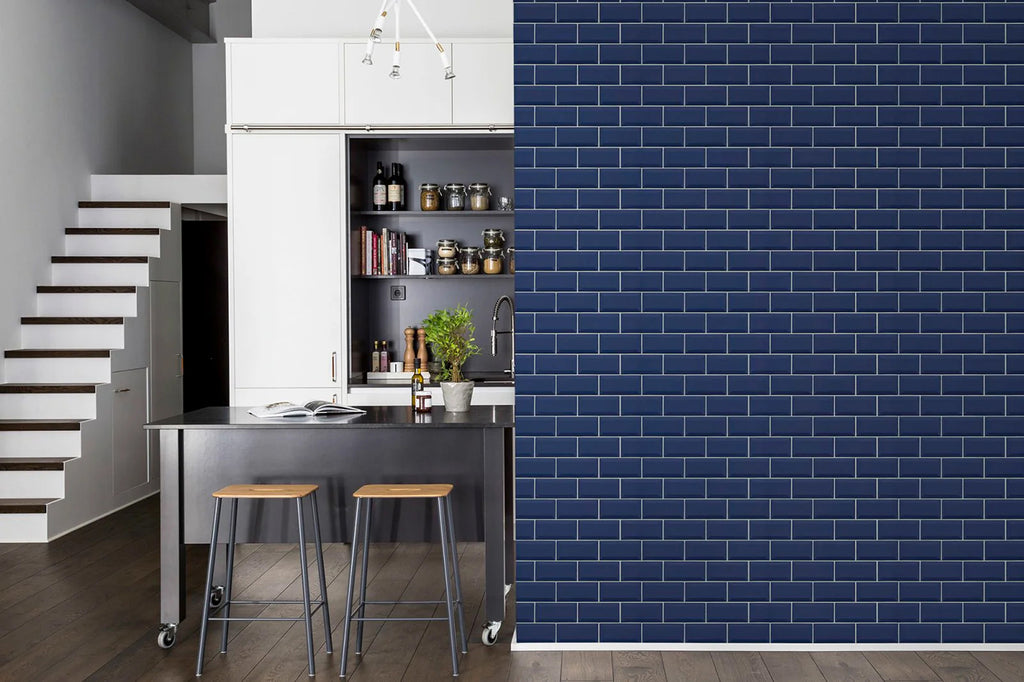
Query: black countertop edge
{"x": 479, "y": 416}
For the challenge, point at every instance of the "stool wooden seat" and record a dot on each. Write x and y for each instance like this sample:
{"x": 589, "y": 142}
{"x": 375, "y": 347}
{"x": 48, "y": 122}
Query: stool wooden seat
{"x": 265, "y": 492}
{"x": 272, "y": 491}
{"x": 441, "y": 493}
{"x": 404, "y": 490}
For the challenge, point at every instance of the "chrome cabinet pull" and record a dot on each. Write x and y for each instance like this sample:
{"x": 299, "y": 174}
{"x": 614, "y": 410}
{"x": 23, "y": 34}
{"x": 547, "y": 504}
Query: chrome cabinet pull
{"x": 334, "y": 367}
{"x": 122, "y": 390}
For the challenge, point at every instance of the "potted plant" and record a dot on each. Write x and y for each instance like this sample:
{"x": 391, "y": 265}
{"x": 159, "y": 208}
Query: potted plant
{"x": 449, "y": 331}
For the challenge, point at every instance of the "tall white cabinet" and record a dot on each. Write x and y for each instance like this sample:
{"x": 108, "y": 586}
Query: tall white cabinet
{"x": 287, "y": 262}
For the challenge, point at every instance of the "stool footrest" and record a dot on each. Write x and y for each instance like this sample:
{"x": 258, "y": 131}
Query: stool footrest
{"x": 234, "y": 602}
{"x": 300, "y": 619}
{"x": 409, "y": 601}
{"x": 444, "y": 618}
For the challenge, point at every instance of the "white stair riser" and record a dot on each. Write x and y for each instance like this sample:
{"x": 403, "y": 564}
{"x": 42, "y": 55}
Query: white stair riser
{"x": 47, "y": 406}
{"x": 40, "y": 444}
{"x": 125, "y": 217}
{"x": 100, "y": 274}
{"x": 86, "y": 336}
{"x": 112, "y": 245}
{"x": 31, "y": 484}
{"x": 86, "y": 305}
{"x": 23, "y": 528}
{"x": 58, "y": 370}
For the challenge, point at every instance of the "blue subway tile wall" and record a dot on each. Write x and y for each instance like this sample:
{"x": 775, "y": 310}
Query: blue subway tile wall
{"x": 771, "y": 302}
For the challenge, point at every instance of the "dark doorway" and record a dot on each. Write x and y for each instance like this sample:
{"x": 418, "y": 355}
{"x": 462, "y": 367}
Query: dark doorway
{"x": 204, "y": 304}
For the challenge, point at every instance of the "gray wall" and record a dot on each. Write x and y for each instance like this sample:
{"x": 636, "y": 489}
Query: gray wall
{"x": 87, "y": 87}
{"x": 228, "y": 19}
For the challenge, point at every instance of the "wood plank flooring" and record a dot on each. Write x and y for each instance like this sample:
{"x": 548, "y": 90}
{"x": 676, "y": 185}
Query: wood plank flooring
{"x": 85, "y": 607}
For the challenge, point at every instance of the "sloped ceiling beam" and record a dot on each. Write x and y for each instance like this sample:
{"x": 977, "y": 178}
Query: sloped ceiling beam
{"x": 188, "y": 18}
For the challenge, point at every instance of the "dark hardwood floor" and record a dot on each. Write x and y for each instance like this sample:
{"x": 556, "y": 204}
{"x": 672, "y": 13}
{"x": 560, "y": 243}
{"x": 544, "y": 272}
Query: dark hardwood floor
{"x": 86, "y": 607}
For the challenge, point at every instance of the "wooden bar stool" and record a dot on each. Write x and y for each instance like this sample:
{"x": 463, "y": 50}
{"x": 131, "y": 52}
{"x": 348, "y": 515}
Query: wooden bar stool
{"x": 453, "y": 601}
{"x": 266, "y": 492}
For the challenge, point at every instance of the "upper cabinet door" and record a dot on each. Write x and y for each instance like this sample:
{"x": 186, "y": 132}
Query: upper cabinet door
{"x": 420, "y": 97}
{"x": 284, "y": 83}
{"x": 286, "y": 259}
{"x": 482, "y": 87}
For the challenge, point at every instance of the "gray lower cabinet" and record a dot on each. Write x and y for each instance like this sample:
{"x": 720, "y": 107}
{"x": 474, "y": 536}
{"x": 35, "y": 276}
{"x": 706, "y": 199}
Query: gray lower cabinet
{"x": 129, "y": 443}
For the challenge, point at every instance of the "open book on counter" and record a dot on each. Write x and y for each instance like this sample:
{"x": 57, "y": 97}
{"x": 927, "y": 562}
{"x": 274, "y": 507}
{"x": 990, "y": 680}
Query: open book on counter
{"x": 314, "y": 408}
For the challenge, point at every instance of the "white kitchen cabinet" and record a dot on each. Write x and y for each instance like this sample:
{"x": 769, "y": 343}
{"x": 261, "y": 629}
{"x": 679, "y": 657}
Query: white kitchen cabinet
{"x": 129, "y": 443}
{"x": 287, "y": 260}
{"x": 482, "y": 87}
{"x": 284, "y": 82}
{"x": 420, "y": 97}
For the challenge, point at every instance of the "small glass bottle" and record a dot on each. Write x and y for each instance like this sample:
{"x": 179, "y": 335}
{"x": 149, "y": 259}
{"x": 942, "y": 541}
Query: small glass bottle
{"x": 375, "y": 358}
{"x": 417, "y": 381}
{"x": 384, "y": 360}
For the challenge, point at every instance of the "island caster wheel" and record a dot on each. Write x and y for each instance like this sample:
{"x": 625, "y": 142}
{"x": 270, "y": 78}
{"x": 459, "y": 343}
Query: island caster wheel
{"x": 216, "y": 596}
{"x": 167, "y": 635}
{"x": 490, "y": 634}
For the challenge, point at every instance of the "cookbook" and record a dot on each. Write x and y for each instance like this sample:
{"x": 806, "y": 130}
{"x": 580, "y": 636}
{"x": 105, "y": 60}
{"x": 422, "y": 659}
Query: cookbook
{"x": 314, "y": 408}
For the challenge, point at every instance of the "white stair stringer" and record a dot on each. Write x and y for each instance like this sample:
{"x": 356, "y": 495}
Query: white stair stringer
{"x": 56, "y": 411}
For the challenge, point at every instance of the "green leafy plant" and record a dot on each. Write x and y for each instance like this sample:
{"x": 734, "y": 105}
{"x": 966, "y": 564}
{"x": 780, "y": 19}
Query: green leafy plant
{"x": 449, "y": 331}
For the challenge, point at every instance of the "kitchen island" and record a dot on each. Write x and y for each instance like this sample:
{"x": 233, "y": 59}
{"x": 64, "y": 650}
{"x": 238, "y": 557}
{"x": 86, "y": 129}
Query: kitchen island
{"x": 205, "y": 450}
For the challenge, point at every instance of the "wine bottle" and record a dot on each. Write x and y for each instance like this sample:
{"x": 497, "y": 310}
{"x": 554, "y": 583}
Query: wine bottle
{"x": 380, "y": 188}
{"x": 417, "y": 381}
{"x": 396, "y": 188}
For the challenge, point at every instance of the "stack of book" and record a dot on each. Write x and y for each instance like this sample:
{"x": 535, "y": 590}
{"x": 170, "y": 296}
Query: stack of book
{"x": 384, "y": 253}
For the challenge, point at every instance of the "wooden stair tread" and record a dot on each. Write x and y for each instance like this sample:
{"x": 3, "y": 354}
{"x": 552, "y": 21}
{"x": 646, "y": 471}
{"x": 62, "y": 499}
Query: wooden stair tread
{"x": 83, "y": 289}
{"x": 113, "y": 230}
{"x": 33, "y": 463}
{"x": 48, "y": 388}
{"x": 25, "y": 505}
{"x": 56, "y": 353}
{"x": 124, "y": 204}
{"x": 99, "y": 259}
{"x": 72, "y": 320}
{"x": 41, "y": 424}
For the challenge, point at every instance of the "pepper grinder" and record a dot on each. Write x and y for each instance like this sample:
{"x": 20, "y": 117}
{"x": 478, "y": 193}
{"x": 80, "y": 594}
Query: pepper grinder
{"x": 409, "y": 358}
{"x": 421, "y": 352}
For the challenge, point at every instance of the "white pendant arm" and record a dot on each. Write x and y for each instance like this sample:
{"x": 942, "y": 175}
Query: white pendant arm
{"x": 445, "y": 62}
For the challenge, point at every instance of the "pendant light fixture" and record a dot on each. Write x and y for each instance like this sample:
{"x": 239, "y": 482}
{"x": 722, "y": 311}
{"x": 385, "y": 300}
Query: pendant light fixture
{"x": 377, "y": 30}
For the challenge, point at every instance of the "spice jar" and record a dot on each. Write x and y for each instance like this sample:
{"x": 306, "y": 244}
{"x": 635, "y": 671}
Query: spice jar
{"x": 447, "y": 248}
{"x": 494, "y": 261}
{"x": 511, "y": 251}
{"x": 479, "y": 196}
{"x": 455, "y": 196}
{"x": 469, "y": 260}
{"x": 447, "y": 266}
{"x": 430, "y": 196}
{"x": 494, "y": 239}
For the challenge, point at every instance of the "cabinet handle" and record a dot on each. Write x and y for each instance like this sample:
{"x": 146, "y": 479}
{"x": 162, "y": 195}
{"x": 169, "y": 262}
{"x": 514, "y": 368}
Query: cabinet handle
{"x": 334, "y": 367}
{"x": 122, "y": 390}
{"x": 334, "y": 398}
{"x": 181, "y": 366}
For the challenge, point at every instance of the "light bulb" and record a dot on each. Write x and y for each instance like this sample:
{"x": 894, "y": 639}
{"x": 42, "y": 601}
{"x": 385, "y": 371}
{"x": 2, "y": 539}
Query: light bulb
{"x": 368, "y": 60}
{"x": 395, "y": 73}
{"x": 449, "y": 73}
{"x": 375, "y": 35}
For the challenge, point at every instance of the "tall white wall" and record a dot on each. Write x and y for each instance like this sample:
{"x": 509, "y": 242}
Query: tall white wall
{"x": 87, "y": 87}
{"x": 228, "y": 19}
{"x": 448, "y": 19}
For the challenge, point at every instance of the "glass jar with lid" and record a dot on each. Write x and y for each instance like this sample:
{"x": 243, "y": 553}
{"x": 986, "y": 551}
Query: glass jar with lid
{"x": 469, "y": 260}
{"x": 447, "y": 266}
{"x": 454, "y": 196}
{"x": 430, "y": 196}
{"x": 479, "y": 196}
{"x": 494, "y": 239}
{"x": 447, "y": 248}
{"x": 493, "y": 261}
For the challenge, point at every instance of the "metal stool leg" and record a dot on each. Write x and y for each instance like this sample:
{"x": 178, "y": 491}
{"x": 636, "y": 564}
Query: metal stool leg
{"x": 323, "y": 578}
{"x": 455, "y": 565}
{"x": 362, "y": 578}
{"x": 209, "y": 586}
{"x": 351, "y": 586}
{"x": 447, "y": 583}
{"x": 230, "y": 574}
{"x": 305, "y": 587}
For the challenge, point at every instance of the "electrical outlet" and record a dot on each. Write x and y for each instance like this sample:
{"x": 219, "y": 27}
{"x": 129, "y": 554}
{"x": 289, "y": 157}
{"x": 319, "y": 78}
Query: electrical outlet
{"x": 397, "y": 292}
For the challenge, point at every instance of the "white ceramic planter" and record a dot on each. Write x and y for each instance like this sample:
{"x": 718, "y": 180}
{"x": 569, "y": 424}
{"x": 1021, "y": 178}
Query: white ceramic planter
{"x": 457, "y": 395}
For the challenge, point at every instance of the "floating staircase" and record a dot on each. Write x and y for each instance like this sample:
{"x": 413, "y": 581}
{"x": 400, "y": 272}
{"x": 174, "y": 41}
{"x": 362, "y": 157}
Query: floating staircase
{"x": 67, "y": 349}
